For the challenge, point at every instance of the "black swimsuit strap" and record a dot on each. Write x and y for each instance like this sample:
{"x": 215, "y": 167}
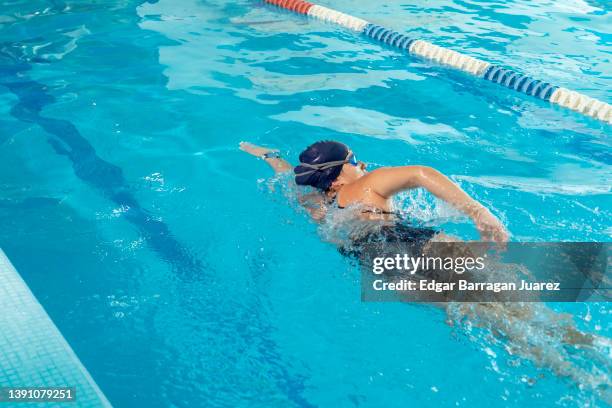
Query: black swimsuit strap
{"x": 375, "y": 211}
{"x": 380, "y": 212}
{"x": 365, "y": 211}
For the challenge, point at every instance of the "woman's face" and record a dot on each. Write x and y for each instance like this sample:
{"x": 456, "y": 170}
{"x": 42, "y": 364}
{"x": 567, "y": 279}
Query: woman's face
{"x": 353, "y": 172}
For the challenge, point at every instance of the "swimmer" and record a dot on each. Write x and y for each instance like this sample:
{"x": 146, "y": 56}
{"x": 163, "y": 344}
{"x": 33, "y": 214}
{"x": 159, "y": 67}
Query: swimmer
{"x": 333, "y": 169}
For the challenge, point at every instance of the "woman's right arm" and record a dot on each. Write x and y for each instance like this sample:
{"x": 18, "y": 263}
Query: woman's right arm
{"x": 388, "y": 181}
{"x": 278, "y": 165}
{"x": 314, "y": 203}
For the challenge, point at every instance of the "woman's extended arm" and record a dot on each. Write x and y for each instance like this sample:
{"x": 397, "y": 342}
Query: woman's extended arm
{"x": 391, "y": 180}
{"x": 314, "y": 203}
{"x": 279, "y": 165}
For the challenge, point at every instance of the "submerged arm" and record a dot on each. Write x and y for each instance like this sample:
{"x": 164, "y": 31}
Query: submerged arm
{"x": 391, "y": 180}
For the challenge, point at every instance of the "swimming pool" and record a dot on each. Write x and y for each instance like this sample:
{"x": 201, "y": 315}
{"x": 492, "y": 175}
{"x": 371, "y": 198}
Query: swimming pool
{"x": 180, "y": 279}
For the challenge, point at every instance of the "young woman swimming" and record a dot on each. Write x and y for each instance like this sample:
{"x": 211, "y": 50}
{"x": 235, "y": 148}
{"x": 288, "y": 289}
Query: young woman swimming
{"x": 532, "y": 330}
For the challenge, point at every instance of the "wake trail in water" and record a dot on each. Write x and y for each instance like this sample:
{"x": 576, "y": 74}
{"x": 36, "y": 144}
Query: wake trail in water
{"x": 542, "y": 336}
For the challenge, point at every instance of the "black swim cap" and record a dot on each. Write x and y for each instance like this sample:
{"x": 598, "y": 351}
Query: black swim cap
{"x": 318, "y": 153}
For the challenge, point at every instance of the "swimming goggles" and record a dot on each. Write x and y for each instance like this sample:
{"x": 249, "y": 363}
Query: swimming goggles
{"x": 350, "y": 159}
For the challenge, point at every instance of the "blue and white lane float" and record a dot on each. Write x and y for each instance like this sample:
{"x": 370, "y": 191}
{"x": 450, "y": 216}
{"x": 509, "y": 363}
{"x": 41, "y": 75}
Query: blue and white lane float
{"x": 510, "y": 79}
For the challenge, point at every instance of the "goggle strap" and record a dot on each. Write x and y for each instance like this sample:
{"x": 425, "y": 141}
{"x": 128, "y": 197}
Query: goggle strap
{"x": 324, "y": 166}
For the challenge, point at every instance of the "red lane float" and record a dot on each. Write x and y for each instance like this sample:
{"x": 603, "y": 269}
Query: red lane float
{"x": 298, "y": 6}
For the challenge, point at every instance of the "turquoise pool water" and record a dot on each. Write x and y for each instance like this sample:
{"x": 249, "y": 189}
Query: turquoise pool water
{"x": 181, "y": 280}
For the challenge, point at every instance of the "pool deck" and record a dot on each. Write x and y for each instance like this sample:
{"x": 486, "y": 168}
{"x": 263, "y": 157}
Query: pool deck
{"x": 33, "y": 352}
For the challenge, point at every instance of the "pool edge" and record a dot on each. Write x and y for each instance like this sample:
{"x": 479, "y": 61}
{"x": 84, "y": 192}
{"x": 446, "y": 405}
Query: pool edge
{"x": 29, "y": 309}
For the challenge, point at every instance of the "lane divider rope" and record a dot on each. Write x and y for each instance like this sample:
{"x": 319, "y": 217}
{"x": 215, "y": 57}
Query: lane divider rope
{"x": 506, "y": 77}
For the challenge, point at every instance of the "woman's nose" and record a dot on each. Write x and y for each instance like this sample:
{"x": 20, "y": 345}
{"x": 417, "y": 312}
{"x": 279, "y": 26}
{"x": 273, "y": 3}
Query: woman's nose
{"x": 362, "y": 165}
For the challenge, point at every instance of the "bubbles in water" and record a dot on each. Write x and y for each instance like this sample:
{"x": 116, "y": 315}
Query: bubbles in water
{"x": 547, "y": 339}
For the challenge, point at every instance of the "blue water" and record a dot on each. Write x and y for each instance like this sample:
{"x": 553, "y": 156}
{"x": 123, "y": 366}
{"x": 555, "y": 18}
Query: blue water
{"x": 181, "y": 279}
